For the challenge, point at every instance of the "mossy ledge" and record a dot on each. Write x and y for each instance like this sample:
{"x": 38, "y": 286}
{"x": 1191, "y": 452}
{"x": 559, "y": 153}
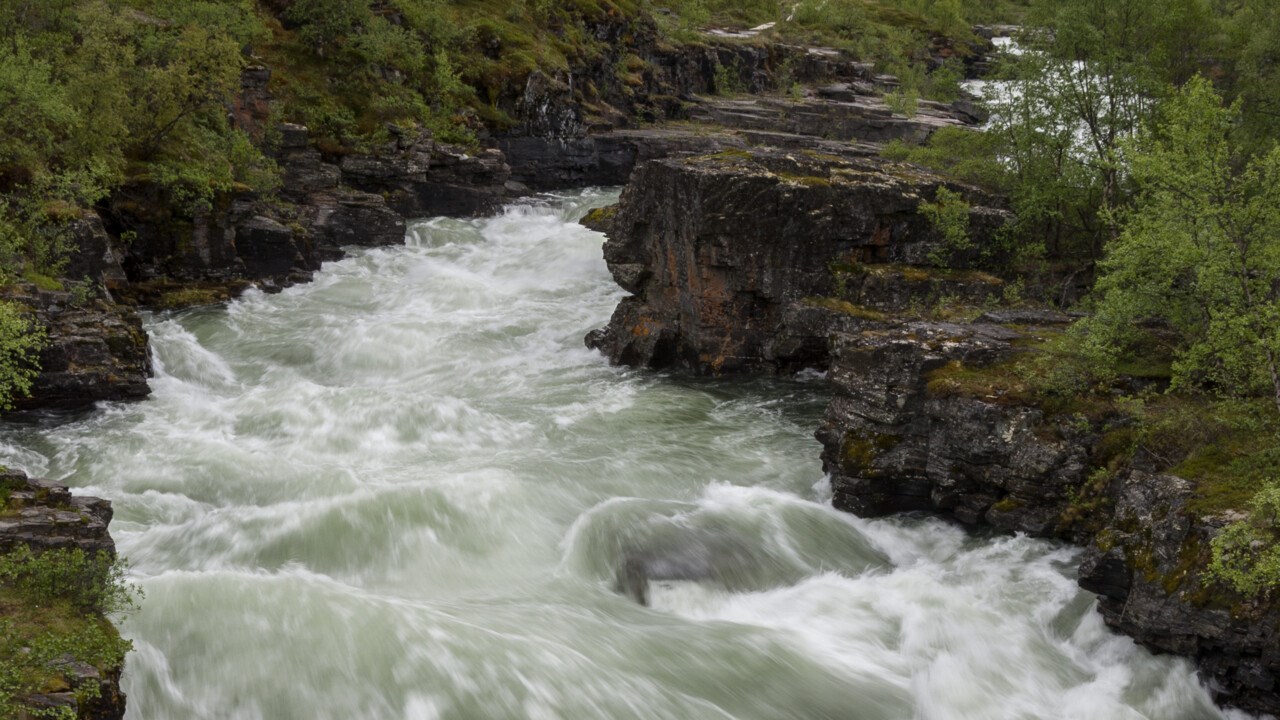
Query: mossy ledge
{"x": 60, "y": 655}
{"x": 988, "y": 429}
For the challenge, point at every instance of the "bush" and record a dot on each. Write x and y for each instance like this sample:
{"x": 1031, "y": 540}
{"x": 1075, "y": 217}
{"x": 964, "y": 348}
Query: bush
{"x": 20, "y": 343}
{"x": 90, "y": 582}
{"x": 52, "y": 606}
{"x": 1246, "y": 555}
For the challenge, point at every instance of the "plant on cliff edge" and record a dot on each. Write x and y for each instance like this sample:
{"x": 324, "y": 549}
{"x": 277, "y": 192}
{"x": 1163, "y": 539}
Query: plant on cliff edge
{"x": 1246, "y": 555}
{"x": 20, "y": 343}
{"x": 54, "y": 605}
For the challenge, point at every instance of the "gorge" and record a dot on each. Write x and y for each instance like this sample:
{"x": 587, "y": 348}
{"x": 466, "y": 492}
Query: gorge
{"x": 362, "y": 464}
{"x": 406, "y": 486}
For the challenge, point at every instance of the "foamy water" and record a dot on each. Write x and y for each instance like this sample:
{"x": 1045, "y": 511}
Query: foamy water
{"x": 403, "y": 491}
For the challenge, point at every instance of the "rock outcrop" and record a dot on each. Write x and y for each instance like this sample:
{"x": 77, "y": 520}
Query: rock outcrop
{"x": 420, "y": 177}
{"x": 95, "y": 349}
{"x": 574, "y": 129}
{"x": 245, "y": 238}
{"x": 916, "y": 423}
{"x": 43, "y": 515}
{"x": 730, "y": 257}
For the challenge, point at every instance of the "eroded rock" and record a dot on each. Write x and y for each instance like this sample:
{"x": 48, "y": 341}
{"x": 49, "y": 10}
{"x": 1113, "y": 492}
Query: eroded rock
{"x": 722, "y": 252}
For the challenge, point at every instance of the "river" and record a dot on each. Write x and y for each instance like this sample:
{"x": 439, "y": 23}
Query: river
{"x": 403, "y": 490}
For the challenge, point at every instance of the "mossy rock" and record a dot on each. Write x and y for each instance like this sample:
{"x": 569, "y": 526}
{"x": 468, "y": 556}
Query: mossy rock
{"x": 859, "y": 451}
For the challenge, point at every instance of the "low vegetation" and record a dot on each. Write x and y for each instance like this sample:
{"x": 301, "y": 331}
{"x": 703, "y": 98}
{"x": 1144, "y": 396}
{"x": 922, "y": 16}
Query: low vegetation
{"x": 54, "y": 608}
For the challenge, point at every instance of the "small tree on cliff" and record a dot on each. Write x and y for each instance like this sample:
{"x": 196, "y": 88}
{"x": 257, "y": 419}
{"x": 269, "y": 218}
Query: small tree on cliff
{"x": 1201, "y": 249}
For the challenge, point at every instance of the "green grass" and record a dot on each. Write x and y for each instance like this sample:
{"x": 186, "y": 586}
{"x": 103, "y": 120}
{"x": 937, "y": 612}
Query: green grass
{"x": 44, "y": 282}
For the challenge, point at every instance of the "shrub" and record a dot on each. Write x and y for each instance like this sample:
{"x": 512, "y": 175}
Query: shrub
{"x": 20, "y": 343}
{"x": 52, "y": 605}
{"x": 1246, "y": 555}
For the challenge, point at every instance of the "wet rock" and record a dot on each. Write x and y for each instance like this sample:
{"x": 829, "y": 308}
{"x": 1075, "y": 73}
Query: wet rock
{"x": 95, "y": 256}
{"x": 43, "y": 515}
{"x": 892, "y": 444}
{"x": 684, "y": 554}
{"x": 898, "y": 437}
{"x": 96, "y": 350}
{"x": 420, "y": 177}
{"x": 266, "y": 248}
{"x": 1147, "y": 567}
{"x": 720, "y": 251}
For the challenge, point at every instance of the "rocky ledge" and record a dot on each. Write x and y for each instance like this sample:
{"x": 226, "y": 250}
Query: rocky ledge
{"x": 96, "y": 349}
{"x": 43, "y": 515}
{"x": 757, "y": 260}
{"x": 744, "y": 260}
{"x": 915, "y": 423}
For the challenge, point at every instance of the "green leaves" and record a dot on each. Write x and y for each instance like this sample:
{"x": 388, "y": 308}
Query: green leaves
{"x": 20, "y": 342}
{"x": 1200, "y": 251}
{"x": 56, "y": 602}
{"x": 949, "y": 214}
{"x": 1246, "y": 555}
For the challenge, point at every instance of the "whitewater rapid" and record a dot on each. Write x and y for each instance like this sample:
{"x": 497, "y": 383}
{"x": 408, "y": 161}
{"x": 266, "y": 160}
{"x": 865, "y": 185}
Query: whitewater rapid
{"x": 403, "y": 491}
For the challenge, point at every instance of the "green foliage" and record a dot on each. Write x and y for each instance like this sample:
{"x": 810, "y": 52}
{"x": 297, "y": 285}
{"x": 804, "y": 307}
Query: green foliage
{"x": 118, "y": 89}
{"x": 1200, "y": 251}
{"x": 967, "y": 155}
{"x": 1252, "y": 38}
{"x": 1246, "y": 554}
{"x": 20, "y": 342}
{"x": 949, "y": 214}
{"x": 1062, "y": 108}
{"x": 326, "y": 22}
{"x": 728, "y": 80}
{"x": 91, "y": 582}
{"x": 52, "y": 605}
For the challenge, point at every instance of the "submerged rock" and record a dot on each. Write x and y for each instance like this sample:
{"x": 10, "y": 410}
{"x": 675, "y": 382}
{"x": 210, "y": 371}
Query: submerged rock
{"x": 686, "y": 555}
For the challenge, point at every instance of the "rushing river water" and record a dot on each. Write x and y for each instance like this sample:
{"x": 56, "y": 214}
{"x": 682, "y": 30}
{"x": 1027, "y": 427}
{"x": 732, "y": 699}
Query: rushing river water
{"x": 402, "y": 491}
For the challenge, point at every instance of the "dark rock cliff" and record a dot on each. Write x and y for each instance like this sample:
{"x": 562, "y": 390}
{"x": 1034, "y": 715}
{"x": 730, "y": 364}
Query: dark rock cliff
{"x": 95, "y": 350}
{"x": 904, "y": 432}
{"x": 728, "y": 255}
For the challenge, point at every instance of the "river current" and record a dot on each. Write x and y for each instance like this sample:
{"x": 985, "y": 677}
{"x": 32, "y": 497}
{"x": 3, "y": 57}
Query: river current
{"x": 403, "y": 491}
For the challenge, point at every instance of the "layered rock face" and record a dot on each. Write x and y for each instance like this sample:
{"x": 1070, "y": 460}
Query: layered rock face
{"x": 726, "y": 255}
{"x": 44, "y": 515}
{"x": 579, "y": 128}
{"x": 95, "y": 349}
